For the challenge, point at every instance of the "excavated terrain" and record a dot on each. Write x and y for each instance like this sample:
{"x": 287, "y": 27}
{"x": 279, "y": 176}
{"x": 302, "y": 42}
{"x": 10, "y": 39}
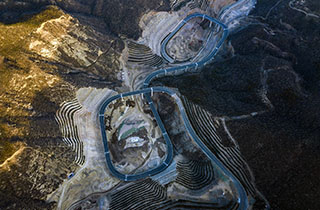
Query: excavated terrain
{"x": 59, "y": 60}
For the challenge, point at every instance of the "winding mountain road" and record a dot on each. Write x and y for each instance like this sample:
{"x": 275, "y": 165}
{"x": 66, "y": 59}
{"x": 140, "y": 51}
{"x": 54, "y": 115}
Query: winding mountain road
{"x": 146, "y": 91}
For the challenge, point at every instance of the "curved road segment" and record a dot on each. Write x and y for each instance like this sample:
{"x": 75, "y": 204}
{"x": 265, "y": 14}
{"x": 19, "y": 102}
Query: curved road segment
{"x": 133, "y": 177}
{"x": 243, "y": 201}
{"x": 166, "y": 40}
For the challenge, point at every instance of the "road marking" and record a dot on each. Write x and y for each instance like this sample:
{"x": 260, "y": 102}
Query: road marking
{"x": 165, "y": 163}
{"x": 101, "y": 115}
{"x": 106, "y": 153}
{"x": 151, "y": 91}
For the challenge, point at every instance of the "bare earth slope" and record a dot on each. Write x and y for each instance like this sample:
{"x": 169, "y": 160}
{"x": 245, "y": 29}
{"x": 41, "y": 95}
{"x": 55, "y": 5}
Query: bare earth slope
{"x": 263, "y": 90}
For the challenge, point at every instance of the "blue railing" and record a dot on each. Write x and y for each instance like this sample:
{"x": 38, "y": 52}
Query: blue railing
{"x": 242, "y": 198}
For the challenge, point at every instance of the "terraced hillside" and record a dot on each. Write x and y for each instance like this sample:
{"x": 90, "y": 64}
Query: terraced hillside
{"x": 164, "y": 104}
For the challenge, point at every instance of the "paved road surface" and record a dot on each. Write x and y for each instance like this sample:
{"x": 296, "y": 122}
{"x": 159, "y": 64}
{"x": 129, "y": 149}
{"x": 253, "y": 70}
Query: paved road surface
{"x": 146, "y": 91}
